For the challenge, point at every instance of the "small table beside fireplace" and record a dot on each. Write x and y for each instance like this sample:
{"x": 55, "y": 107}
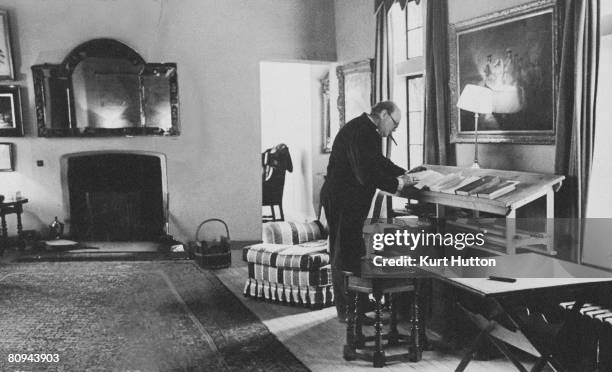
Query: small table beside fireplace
{"x": 9, "y": 207}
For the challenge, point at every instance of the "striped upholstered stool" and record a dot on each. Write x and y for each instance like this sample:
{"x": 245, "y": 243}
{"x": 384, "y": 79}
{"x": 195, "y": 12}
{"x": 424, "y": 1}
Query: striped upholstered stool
{"x": 291, "y": 266}
{"x": 596, "y": 320}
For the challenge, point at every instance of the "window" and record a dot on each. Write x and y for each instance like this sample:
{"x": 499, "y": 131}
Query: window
{"x": 600, "y": 198}
{"x": 407, "y": 28}
{"x": 407, "y": 33}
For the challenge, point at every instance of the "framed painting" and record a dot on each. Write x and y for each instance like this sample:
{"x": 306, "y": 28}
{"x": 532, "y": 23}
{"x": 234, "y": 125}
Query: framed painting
{"x": 511, "y": 52}
{"x": 10, "y": 112}
{"x": 6, "y": 53}
{"x": 355, "y": 89}
{"x": 7, "y": 157}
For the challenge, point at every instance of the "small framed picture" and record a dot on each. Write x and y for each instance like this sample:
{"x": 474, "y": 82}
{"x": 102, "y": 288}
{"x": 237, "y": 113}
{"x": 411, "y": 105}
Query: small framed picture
{"x": 10, "y": 112}
{"x": 7, "y": 157}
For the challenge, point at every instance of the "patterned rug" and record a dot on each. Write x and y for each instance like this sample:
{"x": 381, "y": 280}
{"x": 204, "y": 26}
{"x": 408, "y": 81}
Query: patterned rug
{"x": 137, "y": 316}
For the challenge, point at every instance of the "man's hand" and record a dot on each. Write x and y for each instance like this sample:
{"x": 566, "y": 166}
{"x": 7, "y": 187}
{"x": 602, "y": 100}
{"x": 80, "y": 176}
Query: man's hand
{"x": 403, "y": 181}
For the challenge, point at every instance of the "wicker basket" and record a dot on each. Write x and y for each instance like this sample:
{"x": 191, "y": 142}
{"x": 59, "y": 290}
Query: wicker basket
{"x": 212, "y": 254}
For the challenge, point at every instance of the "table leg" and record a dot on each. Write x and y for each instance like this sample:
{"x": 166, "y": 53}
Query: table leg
{"x": 550, "y": 222}
{"x": 4, "y": 238}
{"x": 20, "y": 240}
{"x": 510, "y": 232}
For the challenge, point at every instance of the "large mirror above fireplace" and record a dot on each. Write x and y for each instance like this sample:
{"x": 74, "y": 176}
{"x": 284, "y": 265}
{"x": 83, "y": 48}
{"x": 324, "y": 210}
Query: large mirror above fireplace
{"x": 105, "y": 88}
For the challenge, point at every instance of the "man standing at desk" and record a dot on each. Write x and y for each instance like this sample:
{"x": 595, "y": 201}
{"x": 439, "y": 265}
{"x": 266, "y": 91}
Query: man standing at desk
{"x": 356, "y": 169}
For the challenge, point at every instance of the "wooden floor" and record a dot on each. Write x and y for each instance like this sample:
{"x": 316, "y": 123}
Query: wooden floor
{"x": 316, "y": 337}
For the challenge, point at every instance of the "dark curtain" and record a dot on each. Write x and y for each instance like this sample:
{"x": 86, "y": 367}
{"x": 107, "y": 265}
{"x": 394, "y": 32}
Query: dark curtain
{"x": 436, "y": 142}
{"x": 575, "y": 111}
{"x": 383, "y": 81}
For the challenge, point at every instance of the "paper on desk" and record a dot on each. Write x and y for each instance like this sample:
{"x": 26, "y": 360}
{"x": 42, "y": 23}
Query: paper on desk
{"x": 426, "y": 178}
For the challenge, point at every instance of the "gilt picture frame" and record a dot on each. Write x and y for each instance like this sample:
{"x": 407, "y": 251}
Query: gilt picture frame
{"x": 355, "y": 89}
{"x": 513, "y": 53}
{"x": 328, "y": 137}
{"x": 6, "y": 53}
{"x": 10, "y": 112}
{"x": 7, "y": 157}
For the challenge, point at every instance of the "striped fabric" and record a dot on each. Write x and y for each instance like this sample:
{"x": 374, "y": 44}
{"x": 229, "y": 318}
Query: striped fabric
{"x": 594, "y": 329}
{"x": 305, "y": 256}
{"x": 307, "y": 296}
{"x": 292, "y": 232}
{"x": 263, "y": 253}
{"x": 320, "y": 277}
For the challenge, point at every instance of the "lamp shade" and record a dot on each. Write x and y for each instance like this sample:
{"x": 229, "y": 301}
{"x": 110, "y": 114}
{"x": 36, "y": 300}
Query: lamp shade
{"x": 475, "y": 98}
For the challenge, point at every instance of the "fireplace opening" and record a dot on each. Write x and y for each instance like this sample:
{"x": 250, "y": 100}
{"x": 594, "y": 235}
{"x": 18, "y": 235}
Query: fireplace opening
{"x": 116, "y": 197}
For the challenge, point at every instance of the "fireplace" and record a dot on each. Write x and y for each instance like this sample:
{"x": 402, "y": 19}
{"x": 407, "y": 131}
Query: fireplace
{"x": 116, "y": 196}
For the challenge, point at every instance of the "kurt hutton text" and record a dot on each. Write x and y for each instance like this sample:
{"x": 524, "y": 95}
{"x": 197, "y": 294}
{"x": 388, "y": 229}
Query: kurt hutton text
{"x": 426, "y": 261}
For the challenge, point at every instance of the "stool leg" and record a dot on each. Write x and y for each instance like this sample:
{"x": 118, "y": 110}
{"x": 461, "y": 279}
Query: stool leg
{"x": 379, "y": 354}
{"x": 349, "y": 348}
{"x": 360, "y": 302}
{"x": 416, "y": 349}
{"x": 393, "y": 338}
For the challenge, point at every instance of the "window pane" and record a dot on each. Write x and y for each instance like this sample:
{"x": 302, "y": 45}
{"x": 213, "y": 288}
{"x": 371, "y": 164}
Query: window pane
{"x": 416, "y": 155}
{"x": 399, "y": 153}
{"x": 415, "y": 16}
{"x": 415, "y": 43}
{"x": 416, "y": 93}
{"x": 397, "y": 25}
{"x": 416, "y": 128}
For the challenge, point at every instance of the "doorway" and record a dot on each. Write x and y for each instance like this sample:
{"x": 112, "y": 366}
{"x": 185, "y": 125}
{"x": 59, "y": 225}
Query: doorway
{"x": 292, "y": 114}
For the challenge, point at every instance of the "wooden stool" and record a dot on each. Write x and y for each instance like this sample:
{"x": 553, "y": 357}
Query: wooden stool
{"x": 355, "y": 347}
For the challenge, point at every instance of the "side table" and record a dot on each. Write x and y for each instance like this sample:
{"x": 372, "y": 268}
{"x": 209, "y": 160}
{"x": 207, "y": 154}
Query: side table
{"x": 6, "y": 208}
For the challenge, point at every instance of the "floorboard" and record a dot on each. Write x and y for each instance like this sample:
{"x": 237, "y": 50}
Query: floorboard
{"x": 316, "y": 337}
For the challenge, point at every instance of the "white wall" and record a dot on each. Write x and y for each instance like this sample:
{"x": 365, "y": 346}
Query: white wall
{"x": 355, "y": 28}
{"x": 214, "y": 166}
{"x": 290, "y": 114}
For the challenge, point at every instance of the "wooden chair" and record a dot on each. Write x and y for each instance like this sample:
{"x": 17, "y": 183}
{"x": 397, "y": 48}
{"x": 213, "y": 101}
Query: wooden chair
{"x": 356, "y": 346}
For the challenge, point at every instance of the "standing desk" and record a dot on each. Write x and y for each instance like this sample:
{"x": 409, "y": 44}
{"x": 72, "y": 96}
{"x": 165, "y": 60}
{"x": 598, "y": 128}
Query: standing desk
{"x": 531, "y": 187}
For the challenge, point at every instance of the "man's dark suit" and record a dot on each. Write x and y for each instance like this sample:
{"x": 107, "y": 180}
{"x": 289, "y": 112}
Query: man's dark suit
{"x": 356, "y": 169}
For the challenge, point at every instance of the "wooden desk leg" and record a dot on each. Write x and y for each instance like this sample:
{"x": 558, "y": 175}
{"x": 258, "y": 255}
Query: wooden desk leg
{"x": 416, "y": 347}
{"x": 20, "y": 241}
{"x": 550, "y": 221}
{"x": 4, "y": 237}
{"x": 510, "y": 232}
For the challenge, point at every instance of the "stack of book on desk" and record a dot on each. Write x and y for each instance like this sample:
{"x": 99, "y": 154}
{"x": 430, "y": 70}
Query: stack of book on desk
{"x": 488, "y": 187}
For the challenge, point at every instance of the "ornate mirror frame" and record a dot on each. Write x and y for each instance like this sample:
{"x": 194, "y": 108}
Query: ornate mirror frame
{"x": 55, "y": 101}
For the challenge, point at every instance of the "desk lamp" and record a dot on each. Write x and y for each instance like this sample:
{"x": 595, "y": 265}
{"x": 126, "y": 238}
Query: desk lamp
{"x": 478, "y": 100}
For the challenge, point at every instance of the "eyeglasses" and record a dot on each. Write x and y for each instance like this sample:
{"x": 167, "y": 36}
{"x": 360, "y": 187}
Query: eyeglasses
{"x": 394, "y": 122}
